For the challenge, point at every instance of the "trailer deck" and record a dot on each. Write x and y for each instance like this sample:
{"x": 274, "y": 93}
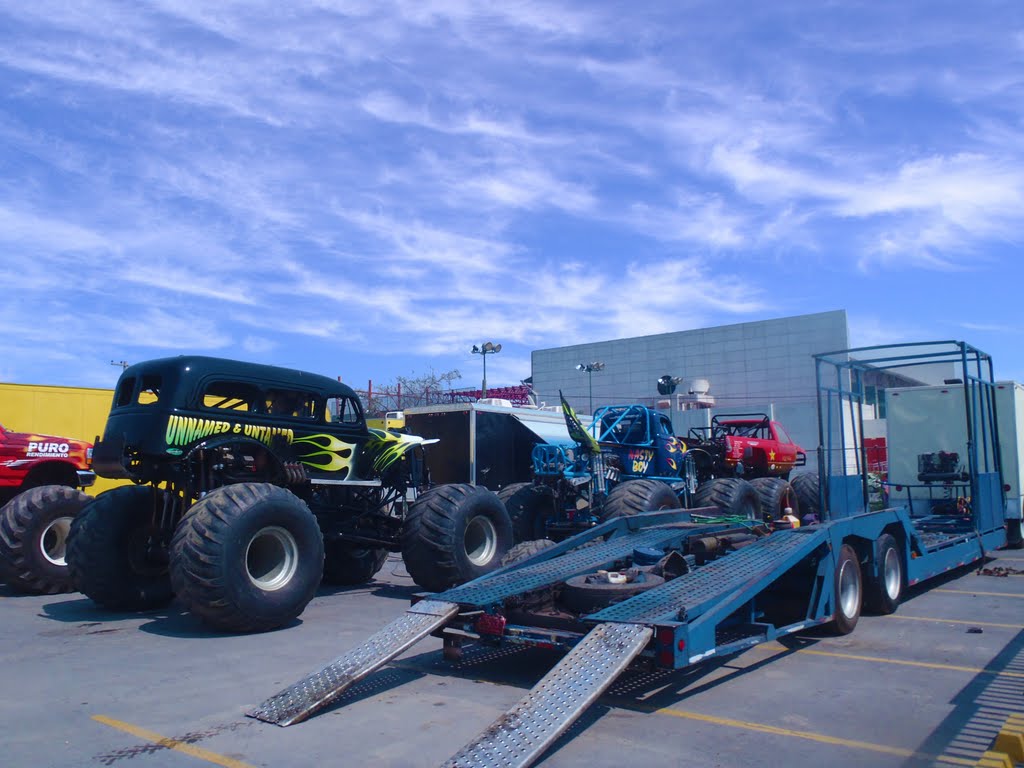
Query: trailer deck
{"x": 726, "y": 597}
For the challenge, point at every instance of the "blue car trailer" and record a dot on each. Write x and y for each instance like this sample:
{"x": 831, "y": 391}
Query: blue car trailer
{"x": 676, "y": 588}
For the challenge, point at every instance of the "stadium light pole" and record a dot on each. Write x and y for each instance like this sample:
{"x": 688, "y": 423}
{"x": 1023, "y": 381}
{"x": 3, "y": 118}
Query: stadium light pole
{"x": 589, "y": 369}
{"x": 484, "y": 350}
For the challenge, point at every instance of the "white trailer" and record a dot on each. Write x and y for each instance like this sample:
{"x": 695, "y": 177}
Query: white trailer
{"x": 930, "y": 420}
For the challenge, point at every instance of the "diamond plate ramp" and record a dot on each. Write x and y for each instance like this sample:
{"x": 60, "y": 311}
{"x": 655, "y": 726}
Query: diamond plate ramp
{"x": 735, "y": 574}
{"x": 521, "y": 735}
{"x": 308, "y": 696}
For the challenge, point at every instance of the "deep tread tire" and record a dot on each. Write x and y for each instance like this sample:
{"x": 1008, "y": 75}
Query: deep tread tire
{"x": 34, "y": 528}
{"x": 884, "y": 590}
{"x": 732, "y": 495}
{"x": 446, "y": 526}
{"x": 108, "y": 556}
{"x": 775, "y": 495}
{"x": 528, "y": 506}
{"x": 347, "y": 565}
{"x": 247, "y": 557}
{"x": 525, "y": 549}
{"x": 806, "y": 485}
{"x": 634, "y": 497}
{"x": 848, "y": 594}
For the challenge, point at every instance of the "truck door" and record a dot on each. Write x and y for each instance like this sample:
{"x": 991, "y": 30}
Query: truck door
{"x": 668, "y": 448}
{"x": 785, "y": 449}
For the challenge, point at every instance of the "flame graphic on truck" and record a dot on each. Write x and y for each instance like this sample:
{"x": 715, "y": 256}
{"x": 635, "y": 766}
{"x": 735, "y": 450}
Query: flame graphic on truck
{"x": 329, "y": 453}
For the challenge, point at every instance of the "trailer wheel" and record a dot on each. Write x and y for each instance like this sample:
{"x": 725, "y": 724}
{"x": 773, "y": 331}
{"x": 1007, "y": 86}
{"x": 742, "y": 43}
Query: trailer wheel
{"x": 528, "y": 506}
{"x": 346, "y": 565}
{"x": 636, "y": 496}
{"x": 733, "y": 495}
{"x": 34, "y": 529}
{"x": 525, "y": 549}
{"x": 583, "y": 597}
{"x": 776, "y": 495}
{"x": 116, "y": 555}
{"x": 247, "y": 557}
{"x": 848, "y": 593}
{"x": 806, "y": 485}
{"x": 883, "y": 591}
{"x": 454, "y": 533}
{"x": 1014, "y": 536}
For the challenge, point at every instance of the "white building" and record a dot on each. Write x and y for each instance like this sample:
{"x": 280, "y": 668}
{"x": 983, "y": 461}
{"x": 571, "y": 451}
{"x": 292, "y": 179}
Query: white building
{"x": 765, "y": 366}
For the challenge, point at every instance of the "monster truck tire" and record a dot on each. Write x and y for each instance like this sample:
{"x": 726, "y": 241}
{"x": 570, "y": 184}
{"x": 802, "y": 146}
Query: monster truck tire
{"x": 347, "y": 565}
{"x": 806, "y": 485}
{"x": 454, "y": 533}
{"x": 34, "y": 529}
{"x": 527, "y": 505}
{"x": 635, "y": 496}
{"x": 111, "y": 557}
{"x": 525, "y": 549}
{"x": 775, "y": 495}
{"x": 734, "y": 496}
{"x": 247, "y": 557}
{"x": 582, "y": 597}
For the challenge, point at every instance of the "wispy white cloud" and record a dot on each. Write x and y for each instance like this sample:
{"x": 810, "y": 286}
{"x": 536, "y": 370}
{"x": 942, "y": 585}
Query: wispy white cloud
{"x": 399, "y": 178}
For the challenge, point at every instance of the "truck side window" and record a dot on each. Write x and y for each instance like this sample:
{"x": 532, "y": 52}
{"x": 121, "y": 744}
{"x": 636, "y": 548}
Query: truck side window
{"x": 231, "y": 396}
{"x": 349, "y": 411}
{"x": 291, "y": 402}
{"x": 149, "y": 391}
{"x": 124, "y": 392}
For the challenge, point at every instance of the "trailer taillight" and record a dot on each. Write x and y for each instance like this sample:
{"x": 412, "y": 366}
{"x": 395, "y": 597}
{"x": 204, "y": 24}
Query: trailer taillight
{"x": 667, "y": 646}
{"x": 491, "y": 624}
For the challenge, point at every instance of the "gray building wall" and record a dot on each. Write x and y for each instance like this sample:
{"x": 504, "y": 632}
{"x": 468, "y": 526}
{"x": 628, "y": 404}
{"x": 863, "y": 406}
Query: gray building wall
{"x": 748, "y": 366}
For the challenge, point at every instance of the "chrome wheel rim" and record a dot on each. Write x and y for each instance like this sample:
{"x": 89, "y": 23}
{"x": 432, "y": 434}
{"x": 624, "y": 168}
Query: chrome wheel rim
{"x": 481, "y": 540}
{"x": 53, "y": 544}
{"x": 272, "y": 558}
{"x": 891, "y": 573}
{"x": 849, "y": 589}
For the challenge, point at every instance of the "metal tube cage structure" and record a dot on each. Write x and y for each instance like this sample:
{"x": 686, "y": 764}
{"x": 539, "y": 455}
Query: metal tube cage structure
{"x": 842, "y": 395}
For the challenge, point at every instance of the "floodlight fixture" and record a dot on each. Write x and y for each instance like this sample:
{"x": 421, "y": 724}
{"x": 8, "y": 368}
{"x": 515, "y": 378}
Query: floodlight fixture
{"x": 485, "y": 349}
{"x": 589, "y": 368}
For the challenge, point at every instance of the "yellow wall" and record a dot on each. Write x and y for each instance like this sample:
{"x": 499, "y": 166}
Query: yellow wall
{"x": 75, "y": 412}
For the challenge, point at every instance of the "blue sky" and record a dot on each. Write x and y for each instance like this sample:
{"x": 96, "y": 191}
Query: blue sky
{"x": 368, "y": 188}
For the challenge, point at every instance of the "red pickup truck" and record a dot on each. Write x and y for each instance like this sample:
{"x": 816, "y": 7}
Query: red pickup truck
{"x": 39, "y": 480}
{"x": 750, "y": 447}
{"x": 30, "y": 460}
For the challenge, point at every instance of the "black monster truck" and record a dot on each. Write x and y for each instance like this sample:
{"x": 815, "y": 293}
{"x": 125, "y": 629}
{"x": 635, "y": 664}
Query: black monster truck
{"x": 252, "y": 483}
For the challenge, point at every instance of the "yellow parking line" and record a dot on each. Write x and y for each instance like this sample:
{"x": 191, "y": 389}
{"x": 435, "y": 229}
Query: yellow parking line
{"x": 924, "y": 664}
{"x": 955, "y": 621}
{"x": 976, "y": 592}
{"x": 821, "y": 738}
{"x": 178, "y": 746}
